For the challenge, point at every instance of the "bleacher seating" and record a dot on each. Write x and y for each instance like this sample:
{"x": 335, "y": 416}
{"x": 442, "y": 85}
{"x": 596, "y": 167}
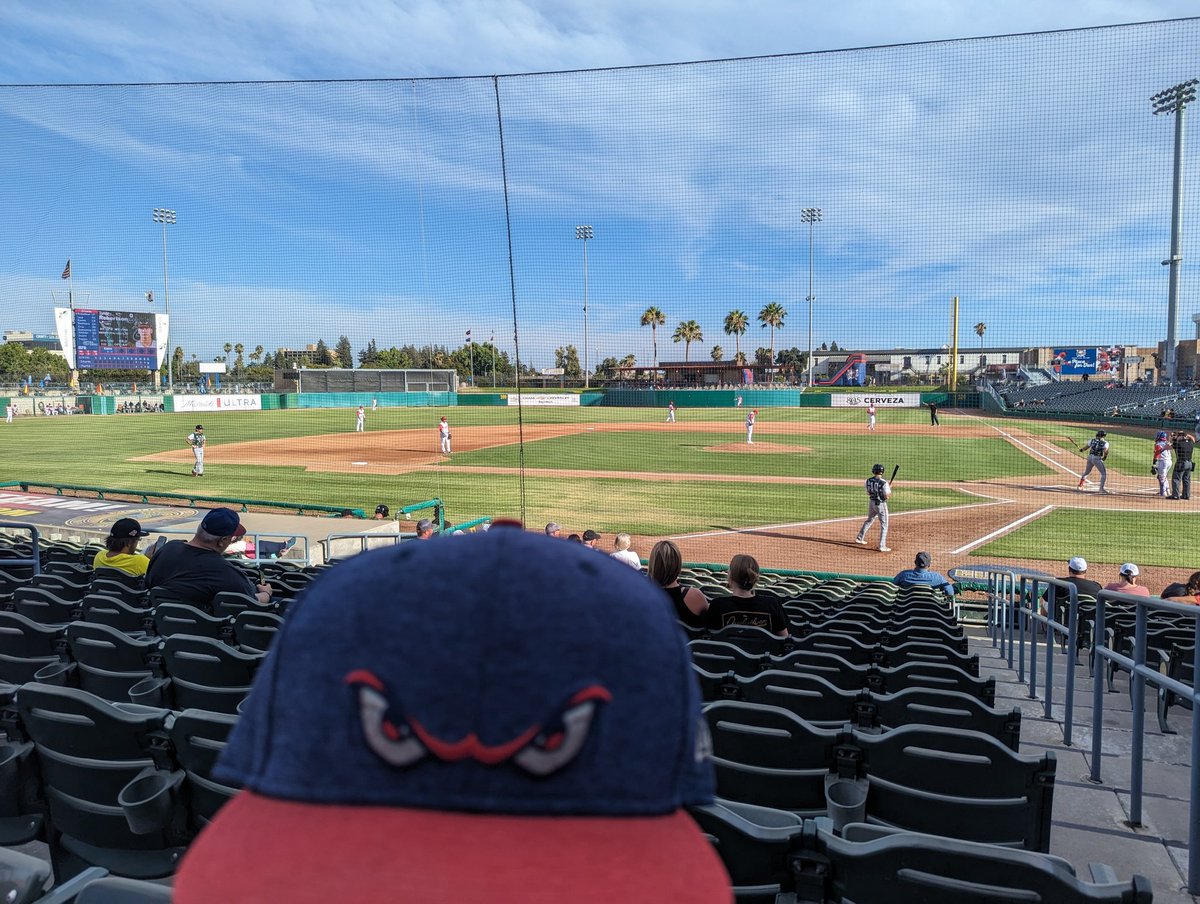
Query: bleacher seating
{"x": 874, "y": 686}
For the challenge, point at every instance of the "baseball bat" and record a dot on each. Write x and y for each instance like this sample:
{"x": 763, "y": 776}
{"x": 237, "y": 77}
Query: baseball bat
{"x": 895, "y": 471}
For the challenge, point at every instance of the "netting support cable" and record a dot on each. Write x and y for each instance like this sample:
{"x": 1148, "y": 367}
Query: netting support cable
{"x": 512, "y": 285}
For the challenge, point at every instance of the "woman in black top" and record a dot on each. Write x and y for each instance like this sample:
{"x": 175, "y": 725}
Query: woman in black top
{"x": 743, "y": 606}
{"x": 665, "y": 563}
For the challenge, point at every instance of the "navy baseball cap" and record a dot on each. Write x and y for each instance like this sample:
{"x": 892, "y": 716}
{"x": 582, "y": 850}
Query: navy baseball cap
{"x": 481, "y": 737}
{"x": 222, "y": 522}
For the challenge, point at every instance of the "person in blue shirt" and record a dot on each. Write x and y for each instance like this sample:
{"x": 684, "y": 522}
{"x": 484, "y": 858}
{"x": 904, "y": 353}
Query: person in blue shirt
{"x": 920, "y": 574}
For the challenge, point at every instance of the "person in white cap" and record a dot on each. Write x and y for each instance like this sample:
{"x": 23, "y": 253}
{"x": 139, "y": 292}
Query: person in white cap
{"x": 1127, "y": 582}
{"x": 1077, "y": 567}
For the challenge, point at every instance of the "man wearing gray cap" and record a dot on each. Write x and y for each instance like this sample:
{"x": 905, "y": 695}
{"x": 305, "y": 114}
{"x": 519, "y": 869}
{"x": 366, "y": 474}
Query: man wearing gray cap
{"x": 553, "y": 529}
{"x": 424, "y": 529}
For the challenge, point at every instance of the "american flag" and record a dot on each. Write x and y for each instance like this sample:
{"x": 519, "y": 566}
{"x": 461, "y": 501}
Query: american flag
{"x": 67, "y": 270}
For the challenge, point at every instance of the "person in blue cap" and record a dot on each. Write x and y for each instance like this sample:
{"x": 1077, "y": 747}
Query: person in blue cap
{"x": 194, "y": 571}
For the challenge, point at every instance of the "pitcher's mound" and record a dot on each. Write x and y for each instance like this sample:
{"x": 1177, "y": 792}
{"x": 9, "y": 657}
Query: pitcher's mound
{"x": 757, "y": 448}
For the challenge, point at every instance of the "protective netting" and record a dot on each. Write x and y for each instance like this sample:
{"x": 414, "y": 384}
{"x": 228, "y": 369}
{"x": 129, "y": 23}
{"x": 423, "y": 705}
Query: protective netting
{"x": 1024, "y": 174}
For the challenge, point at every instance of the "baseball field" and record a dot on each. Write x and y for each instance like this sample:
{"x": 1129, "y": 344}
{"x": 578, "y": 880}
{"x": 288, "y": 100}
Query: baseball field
{"x": 972, "y": 490}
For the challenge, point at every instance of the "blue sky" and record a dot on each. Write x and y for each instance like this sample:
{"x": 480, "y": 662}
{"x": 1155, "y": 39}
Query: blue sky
{"x": 1025, "y": 175}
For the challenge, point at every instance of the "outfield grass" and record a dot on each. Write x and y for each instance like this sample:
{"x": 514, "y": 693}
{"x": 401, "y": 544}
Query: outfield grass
{"x": 98, "y": 451}
{"x": 1143, "y": 537}
{"x": 934, "y": 457}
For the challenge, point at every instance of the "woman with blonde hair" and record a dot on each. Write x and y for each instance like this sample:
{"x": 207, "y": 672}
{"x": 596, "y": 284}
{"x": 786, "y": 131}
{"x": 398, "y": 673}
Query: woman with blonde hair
{"x": 665, "y": 563}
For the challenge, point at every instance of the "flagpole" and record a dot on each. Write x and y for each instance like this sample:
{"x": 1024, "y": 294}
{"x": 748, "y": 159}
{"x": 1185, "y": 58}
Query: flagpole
{"x": 70, "y": 285}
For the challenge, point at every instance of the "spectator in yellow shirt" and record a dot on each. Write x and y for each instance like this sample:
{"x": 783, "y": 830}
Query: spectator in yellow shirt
{"x": 120, "y": 550}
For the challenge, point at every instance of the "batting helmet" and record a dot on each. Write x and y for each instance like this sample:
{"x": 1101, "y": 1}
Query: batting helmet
{"x": 1162, "y": 434}
{"x": 1101, "y": 433}
{"x": 876, "y": 469}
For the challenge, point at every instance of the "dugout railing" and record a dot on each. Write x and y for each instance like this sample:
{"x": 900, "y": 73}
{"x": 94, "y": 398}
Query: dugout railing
{"x": 1141, "y": 674}
{"x": 147, "y": 497}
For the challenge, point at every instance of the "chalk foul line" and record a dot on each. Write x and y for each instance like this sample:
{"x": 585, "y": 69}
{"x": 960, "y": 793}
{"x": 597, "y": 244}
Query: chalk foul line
{"x": 1012, "y": 525}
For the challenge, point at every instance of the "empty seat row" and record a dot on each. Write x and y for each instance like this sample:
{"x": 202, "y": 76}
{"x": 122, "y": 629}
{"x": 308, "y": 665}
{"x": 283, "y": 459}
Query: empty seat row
{"x": 772, "y": 857}
{"x": 941, "y": 781}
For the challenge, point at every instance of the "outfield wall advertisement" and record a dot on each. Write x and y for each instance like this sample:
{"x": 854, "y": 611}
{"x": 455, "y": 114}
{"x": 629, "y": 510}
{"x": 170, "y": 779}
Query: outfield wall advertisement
{"x": 882, "y": 400}
{"x": 218, "y": 403}
{"x": 546, "y": 399}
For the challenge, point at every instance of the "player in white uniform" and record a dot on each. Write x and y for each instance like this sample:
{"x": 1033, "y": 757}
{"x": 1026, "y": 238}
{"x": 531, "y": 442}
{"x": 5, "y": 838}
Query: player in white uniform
{"x": 871, "y": 417}
{"x": 196, "y": 440}
{"x": 1097, "y": 450}
{"x": 374, "y": 404}
{"x": 444, "y": 435}
{"x": 750, "y": 418}
{"x": 739, "y": 402}
{"x": 878, "y": 493}
{"x": 670, "y": 412}
{"x": 360, "y": 418}
{"x": 8, "y": 413}
{"x": 1163, "y": 463}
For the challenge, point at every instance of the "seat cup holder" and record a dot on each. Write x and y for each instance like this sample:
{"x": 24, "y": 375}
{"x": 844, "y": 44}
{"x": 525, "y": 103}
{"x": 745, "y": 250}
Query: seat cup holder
{"x": 149, "y": 692}
{"x": 845, "y": 802}
{"x": 149, "y": 801}
{"x": 54, "y": 674}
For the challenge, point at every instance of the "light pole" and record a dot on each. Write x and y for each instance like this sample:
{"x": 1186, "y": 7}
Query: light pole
{"x": 585, "y": 233}
{"x": 167, "y": 218}
{"x": 1174, "y": 100}
{"x": 493, "y": 343}
{"x": 811, "y": 216}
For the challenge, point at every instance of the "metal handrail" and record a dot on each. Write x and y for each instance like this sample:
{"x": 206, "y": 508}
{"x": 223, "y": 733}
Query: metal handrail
{"x": 147, "y": 495}
{"x": 1140, "y": 673}
{"x": 34, "y": 539}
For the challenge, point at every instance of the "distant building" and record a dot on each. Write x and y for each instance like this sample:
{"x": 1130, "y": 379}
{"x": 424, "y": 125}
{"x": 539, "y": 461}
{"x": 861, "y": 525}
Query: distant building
{"x": 47, "y": 341}
{"x": 289, "y": 357}
{"x": 922, "y": 365}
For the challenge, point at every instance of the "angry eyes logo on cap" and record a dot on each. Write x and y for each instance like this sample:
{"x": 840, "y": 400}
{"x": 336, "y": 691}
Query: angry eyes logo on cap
{"x": 541, "y": 749}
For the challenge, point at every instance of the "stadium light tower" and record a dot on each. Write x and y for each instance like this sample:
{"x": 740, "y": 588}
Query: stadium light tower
{"x": 167, "y": 218}
{"x": 1174, "y": 100}
{"x": 585, "y": 233}
{"x": 811, "y": 216}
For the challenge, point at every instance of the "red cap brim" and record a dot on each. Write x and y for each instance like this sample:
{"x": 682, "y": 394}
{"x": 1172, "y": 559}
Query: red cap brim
{"x": 262, "y": 849}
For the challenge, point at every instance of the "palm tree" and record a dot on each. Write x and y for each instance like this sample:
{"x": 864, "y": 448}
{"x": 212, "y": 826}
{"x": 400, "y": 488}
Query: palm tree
{"x": 735, "y": 324}
{"x": 629, "y": 361}
{"x": 228, "y": 348}
{"x": 654, "y": 318}
{"x": 740, "y": 359}
{"x": 688, "y": 332}
{"x": 772, "y": 316}
{"x": 718, "y": 353}
{"x": 256, "y": 355}
{"x": 980, "y": 329}
{"x": 239, "y": 363}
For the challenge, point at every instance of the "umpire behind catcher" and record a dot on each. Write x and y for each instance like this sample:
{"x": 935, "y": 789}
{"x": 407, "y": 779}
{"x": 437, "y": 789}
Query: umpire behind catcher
{"x": 1184, "y": 444}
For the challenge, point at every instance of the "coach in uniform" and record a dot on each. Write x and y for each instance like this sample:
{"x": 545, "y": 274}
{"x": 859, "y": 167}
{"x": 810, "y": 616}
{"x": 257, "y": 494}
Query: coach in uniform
{"x": 878, "y": 493}
{"x": 1097, "y": 450}
{"x": 1183, "y": 444}
{"x": 196, "y": 441}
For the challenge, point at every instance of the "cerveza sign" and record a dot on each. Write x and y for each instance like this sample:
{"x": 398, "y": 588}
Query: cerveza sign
{"x": 882, "y": 400}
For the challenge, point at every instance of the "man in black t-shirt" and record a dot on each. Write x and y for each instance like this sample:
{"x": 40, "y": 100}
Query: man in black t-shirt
{"x": 194, "y": 571}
